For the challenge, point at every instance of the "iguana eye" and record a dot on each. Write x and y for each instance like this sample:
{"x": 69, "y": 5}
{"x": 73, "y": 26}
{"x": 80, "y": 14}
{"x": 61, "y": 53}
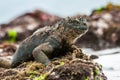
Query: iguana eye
{"x": 74, "y": 22}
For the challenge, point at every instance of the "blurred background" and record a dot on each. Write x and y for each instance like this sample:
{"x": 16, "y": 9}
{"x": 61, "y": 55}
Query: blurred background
{"x": 12, "y": 8}
{"x": 20, "y": 18}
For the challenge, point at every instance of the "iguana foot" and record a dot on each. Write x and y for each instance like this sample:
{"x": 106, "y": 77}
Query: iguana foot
{"x": 41, "y": 53}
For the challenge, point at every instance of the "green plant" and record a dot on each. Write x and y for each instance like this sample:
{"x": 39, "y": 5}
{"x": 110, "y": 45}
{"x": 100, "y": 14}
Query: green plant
{"x": 101, "y": 66}
{"x": 12, "y": 34}
{"x": 87, "y": 78}
{"x": 96, "y": 71}
{"x": 99, "y": 9}
{"x": 41, "y": 77}
{"x": 32, "y": 74}
{"x": 62, "y": 63}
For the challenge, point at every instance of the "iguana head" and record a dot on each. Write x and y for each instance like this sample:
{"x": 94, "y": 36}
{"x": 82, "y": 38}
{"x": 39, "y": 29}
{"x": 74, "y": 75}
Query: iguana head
{"x": 74, "y": 27}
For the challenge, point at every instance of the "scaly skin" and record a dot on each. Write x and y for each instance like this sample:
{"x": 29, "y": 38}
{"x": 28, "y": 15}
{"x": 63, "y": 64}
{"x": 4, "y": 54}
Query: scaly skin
{"x": 45, "y": 41}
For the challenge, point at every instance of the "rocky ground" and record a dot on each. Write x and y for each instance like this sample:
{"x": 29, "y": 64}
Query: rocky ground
{"x": 104, "y": 29}
{"x": 75, "y": 65}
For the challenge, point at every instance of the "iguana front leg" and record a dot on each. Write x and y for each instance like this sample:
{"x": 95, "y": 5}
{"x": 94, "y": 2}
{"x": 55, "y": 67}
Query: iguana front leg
{"x": 42, "y": 52}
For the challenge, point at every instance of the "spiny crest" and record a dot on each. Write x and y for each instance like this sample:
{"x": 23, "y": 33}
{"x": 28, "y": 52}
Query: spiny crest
{"x": 79, "y": 20}
{"x": 64, "y": 20}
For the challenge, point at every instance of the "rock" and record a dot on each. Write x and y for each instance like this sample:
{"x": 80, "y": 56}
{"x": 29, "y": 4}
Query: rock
{"x": 26, "y": 24}
{"x": 73, "y": 66}
{"x": 104, "y": 28}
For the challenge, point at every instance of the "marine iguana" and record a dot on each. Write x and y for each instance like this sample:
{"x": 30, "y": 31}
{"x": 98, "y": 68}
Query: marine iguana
{"x": 42, "y": 43}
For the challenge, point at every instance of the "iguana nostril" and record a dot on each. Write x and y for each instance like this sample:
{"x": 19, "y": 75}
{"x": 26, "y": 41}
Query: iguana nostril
{"x": 85, "y": 24}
